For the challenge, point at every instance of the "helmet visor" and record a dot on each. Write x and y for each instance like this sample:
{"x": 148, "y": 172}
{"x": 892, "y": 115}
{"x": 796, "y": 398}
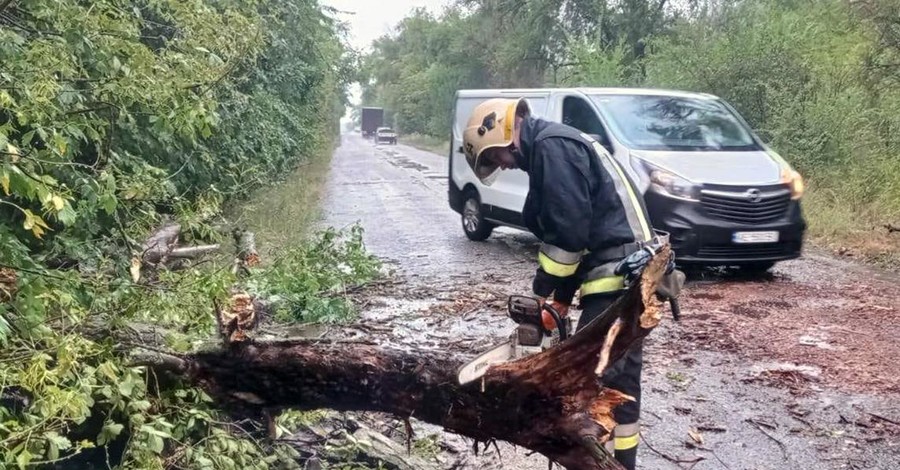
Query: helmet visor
{"x": 487, "y": 167}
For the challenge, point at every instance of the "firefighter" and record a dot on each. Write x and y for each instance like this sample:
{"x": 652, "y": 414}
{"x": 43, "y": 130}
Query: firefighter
{"x": 589, "y": 216}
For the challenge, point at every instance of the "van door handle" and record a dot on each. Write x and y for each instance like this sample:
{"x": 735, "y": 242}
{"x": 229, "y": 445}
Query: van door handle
{"x": 460, "y": 149}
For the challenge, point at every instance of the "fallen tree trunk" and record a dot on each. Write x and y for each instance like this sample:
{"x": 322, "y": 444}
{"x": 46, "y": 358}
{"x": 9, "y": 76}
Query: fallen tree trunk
{"x": 552, "y": 403}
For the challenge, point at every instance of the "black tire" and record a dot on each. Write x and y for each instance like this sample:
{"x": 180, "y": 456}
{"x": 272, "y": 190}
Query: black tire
{"x": 476, "y": 228}
{"x": 759, "y": 267}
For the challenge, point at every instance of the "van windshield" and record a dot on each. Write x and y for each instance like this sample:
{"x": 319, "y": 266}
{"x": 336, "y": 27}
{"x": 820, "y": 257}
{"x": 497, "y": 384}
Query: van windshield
{"x": 647, "y": 122}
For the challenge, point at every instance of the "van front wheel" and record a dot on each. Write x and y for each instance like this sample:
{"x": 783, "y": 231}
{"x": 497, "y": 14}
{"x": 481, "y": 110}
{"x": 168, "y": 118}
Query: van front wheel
{"x": 477, "y": 229}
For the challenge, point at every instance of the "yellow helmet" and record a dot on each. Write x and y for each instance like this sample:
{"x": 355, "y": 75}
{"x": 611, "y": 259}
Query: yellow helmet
{"x": 490, "y": 126}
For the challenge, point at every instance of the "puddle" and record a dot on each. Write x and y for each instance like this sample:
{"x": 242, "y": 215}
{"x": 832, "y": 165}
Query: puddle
{"x": 819, "y": 339}
{"x": 808, "y": 371}
{"x": 405, "y": 162}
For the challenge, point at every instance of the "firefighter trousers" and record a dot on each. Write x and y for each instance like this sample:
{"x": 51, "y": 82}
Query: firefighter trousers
{"x": 625, "y": 376}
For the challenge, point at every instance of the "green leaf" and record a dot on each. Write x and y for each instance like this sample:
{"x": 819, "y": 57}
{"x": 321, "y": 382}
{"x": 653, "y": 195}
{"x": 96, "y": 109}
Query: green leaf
{"x": 126, "y": 386}
{"x": 155, "y": 443}
{"x": 141, "y": 405}
{"x": 109, "y": 432}
{"x": 67, "y": 215}
{"x": 60, "y": 143}
{"x": 108, "y": 203}
{"x": 109, "y": 370}
{"x": 4, "y": 181}
{"x": 55, "y": 443}
{"x": 23, "y": 459}
{"x": 156, "y": 432}
{"x": 61, "y": 442}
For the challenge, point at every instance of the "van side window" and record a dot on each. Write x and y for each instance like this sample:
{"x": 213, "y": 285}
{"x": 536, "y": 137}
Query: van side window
{"x": 578, "y": 114}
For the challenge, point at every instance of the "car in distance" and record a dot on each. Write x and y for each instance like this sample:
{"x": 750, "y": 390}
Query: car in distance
{"x": 385, "y": 135}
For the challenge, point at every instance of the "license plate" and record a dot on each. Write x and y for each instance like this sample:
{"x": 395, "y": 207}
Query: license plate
{"x": 754, "y": 237}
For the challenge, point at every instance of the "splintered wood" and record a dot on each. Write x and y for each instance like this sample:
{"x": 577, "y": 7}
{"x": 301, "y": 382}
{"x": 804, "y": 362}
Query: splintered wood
{"x": 607, "y": 346}
{"x": 237, "y": 318}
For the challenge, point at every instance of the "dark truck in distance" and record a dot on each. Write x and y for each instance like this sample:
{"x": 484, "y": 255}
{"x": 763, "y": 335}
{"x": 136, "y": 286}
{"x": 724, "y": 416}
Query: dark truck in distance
{"x": 372, "y": 119}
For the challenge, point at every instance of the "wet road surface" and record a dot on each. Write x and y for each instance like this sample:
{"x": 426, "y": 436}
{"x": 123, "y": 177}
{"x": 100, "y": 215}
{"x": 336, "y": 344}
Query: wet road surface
{"x": 791, "y": 370}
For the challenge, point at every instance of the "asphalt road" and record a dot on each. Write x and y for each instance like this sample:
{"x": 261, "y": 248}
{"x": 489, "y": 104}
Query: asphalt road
{"x": 792, "y": 370}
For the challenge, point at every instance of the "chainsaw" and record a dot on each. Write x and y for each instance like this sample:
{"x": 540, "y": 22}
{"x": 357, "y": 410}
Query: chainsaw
{"x": 531, "y": 336}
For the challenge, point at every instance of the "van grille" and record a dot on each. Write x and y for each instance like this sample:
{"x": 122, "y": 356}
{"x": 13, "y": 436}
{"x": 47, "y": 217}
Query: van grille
{"x": 746, "y": 251}
{"x": 752, "y": 206}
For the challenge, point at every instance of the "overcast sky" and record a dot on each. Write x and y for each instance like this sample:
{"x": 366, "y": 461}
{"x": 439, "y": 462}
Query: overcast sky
{"x": 369, "y": 19}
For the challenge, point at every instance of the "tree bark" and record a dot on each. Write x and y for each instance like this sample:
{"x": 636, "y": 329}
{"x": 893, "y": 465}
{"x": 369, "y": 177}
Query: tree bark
{"x": 247, "y": 255}
{"x": 158, "y": 245}
{"x": 552, "y": 402}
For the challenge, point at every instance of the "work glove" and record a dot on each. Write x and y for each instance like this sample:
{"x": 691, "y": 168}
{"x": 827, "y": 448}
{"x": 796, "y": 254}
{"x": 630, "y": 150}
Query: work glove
{"x": 633, "y": 265}
{"x": 670, "y": 265}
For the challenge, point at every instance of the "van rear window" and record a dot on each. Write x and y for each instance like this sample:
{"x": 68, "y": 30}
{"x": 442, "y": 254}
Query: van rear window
{"x": 654, "y": 122}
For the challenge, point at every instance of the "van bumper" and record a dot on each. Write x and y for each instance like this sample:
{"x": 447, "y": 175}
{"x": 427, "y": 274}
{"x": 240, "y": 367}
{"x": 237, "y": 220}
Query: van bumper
{"x": 698, "y": 238}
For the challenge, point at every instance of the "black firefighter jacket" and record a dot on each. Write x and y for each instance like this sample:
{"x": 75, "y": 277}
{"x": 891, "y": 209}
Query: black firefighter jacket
{"x": 581, "y": 204}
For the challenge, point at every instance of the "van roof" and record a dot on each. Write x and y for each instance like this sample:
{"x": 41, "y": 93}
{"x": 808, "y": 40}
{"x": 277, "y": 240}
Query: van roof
{"x": 526, "y": 92}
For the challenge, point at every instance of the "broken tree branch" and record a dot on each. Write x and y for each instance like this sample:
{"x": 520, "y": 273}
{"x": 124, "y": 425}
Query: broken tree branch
{"x": 552, "y": 403}
{"x": 192, "y": 251}
{"x": 158, "y": 245}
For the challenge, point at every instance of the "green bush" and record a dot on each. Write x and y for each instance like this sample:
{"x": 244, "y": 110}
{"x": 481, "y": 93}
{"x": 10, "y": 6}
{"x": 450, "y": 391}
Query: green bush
{"x": 116, "y": 114}
{"x": 305, "y": 283}
{"x": 801, "y": 77}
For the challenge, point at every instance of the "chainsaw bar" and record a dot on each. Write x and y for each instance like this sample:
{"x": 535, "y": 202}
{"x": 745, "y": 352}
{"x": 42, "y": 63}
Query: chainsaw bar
{"x": 476, "y": 368}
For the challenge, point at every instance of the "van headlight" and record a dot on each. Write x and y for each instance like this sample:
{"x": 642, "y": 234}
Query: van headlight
{"x": 794, "y": 181}
{"x": 672, "y": 185}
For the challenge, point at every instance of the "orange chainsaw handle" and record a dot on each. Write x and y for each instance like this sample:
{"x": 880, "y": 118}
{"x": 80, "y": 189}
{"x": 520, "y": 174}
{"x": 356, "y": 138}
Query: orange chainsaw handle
{"x": 555, "y": 317}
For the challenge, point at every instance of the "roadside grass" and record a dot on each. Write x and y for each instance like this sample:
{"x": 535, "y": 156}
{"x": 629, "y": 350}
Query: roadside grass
{"x": 303, "y": 268}
{"x": 282, "y": 214}
{"x": 427, "y": 143}
{"x": 856, "y": 231}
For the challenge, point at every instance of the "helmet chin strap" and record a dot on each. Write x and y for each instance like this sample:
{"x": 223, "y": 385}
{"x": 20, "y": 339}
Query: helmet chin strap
{"x": 521, "y": 160}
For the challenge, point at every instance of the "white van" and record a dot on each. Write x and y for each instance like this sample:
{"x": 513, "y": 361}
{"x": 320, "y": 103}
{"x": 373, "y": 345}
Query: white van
{"x": 707, "y": 179}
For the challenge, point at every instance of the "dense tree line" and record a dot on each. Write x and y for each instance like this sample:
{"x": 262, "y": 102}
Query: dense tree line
{"x": 816, "y": 78}
{"x": 116, "y": 114}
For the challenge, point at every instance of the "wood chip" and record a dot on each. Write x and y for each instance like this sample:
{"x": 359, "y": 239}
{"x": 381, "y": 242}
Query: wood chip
{"x": 696, "y": 436}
